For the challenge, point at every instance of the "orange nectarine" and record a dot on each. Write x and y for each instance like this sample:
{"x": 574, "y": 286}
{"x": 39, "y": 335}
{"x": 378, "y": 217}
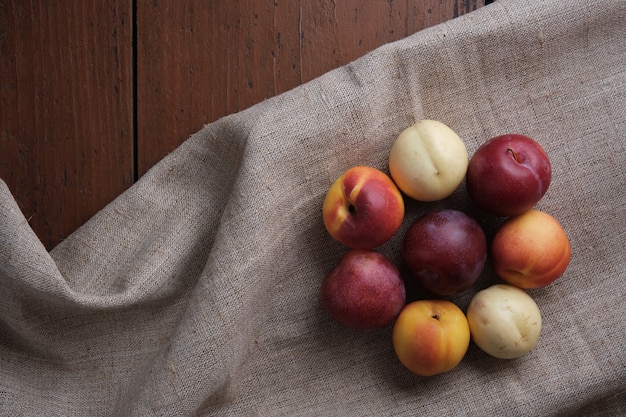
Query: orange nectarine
{"x": 430, "y": 337}
{"x": 531, "y": 250}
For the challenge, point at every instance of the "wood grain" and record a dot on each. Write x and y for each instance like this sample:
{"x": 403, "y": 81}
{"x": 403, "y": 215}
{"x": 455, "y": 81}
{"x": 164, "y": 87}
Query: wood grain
{"x": 89, "y": 101}
{"x": 203, "y": 60}
{"x": 66, "y": 121}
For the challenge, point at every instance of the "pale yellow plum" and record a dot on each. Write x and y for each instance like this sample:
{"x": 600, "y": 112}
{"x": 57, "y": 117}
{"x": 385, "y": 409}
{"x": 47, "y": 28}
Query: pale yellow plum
{"x": 504, "y": 321}
{"x": 428, "y": 161}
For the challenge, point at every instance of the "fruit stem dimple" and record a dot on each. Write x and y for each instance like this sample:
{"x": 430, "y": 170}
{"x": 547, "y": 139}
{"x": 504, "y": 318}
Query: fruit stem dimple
{"x": 512, "y": 152}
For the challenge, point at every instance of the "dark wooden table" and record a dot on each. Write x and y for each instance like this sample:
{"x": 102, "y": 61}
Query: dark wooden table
{"x": 95, "y": 93}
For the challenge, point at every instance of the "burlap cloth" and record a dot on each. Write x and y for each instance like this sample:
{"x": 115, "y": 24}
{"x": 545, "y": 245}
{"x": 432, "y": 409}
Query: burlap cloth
{"x": 196, "y": 291}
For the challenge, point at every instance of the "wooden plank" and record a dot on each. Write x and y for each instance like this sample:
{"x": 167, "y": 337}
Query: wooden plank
{"x": 198, "y": 60}
{"x": 66, "y": 120}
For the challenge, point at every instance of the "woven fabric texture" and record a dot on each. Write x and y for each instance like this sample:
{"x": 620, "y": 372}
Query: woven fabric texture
{"x": 196, "y": 291}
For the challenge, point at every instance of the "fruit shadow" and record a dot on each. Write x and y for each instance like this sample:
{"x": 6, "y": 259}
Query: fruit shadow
{"x": 458, "y": 200}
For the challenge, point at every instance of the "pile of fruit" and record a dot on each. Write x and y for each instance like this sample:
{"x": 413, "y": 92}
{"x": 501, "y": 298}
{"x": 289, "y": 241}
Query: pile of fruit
{"x": 445, "y": 250}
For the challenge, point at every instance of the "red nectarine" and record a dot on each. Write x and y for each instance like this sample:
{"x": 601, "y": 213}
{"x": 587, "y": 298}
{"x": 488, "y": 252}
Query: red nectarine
{"x": 363, "y": 208}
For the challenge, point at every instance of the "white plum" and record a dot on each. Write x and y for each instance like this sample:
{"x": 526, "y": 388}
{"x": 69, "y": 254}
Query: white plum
{"x": 428, "y": 161}
{"x": 504, "y": 321}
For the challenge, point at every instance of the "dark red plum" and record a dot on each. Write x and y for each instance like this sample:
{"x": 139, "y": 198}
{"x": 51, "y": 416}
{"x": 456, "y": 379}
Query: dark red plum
{"x": 445, "y": 250}
{"x": 508, "y": 175}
